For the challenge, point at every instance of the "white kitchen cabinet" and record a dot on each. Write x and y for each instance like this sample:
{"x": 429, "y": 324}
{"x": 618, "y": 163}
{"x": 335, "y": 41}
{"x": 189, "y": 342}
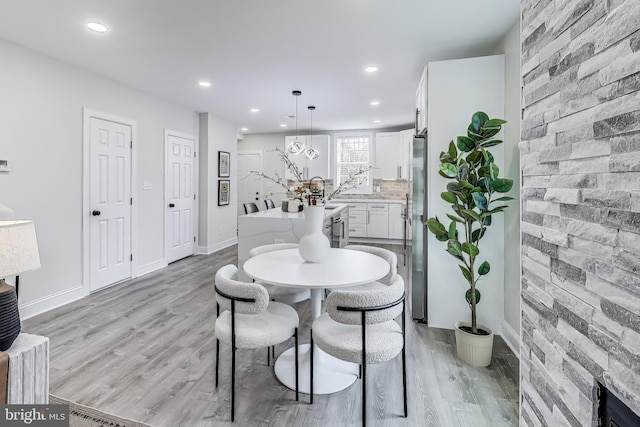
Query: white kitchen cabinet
{"x": 406, "y": 139}
{"x": 421, "y": 102}
{"x": 378, "y": 220}
{"x": 396, "y": 224}
{"x": 357, "y": 220}
{"x": 310, "y": 168}
{"x": 388, "y": 156}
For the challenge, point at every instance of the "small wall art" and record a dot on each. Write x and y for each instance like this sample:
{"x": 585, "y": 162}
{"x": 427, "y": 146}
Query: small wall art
{"x": 223, "y": 192}
{"x": 224, "y": 164}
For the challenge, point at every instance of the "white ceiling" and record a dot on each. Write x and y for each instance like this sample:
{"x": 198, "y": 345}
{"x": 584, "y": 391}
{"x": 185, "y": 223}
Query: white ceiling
{"x": 255, "y": 52}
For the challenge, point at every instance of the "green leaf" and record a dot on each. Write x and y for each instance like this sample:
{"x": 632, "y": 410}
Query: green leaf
{"x": 474, "y": 157}
{"x": 449, "y": 170}
{"x": 470, "y": 249}
{"x": 452, "y": 150}
{"x": 495, "y": 170}
{"x": 452, "y": 230}
{"x": 502, "y": 185}
{"x": 491, "y": 143}
{"x": 484, "y": 268}
{"x": 467, "y": 296}
{"x": 454, "y": 248}
{"x": 478, "y": 234}
{"x": 486, "y": 221}
{"x": 480, "y": 200}
{"x": 446, "y": 158}
{"x": 442, "y": 174}
{"x": 466, "y": 144}
{"x": 496, "y": 210}
{"x": 466, "y": 273}
{"x": 471, "y": 133}
{"x": 449, "y": 197}
{"x": 484, "y": 171}
{"x": 455, "y": 218}
{"x": 468, "y": 213}
{"x": 463, "y": 171}
{"x": 502, "y": 199}
{"x": 436, "y": 227}
{"x": 478, "y": 120}
{"x": 454, "y": 186}
{"x": 493, "y": 123}
{"x": 466, "y": 185}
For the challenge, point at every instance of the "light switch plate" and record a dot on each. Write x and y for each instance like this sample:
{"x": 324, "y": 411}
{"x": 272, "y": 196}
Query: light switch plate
{"x": 4, "y": 166}
{"x": 147, "y": 185}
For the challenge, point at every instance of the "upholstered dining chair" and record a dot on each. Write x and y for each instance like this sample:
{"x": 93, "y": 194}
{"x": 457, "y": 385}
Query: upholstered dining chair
{"x": 385, "y": 254}
{"x": 249, "y": 320}
{"x": 250, "y": 208}
{"x": 359, "y": 327}
{"x": 269, "y": 204}
{"x": 281, "y": 293}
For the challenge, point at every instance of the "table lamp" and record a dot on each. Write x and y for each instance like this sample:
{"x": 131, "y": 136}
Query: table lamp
{"x": 18, "y": 254}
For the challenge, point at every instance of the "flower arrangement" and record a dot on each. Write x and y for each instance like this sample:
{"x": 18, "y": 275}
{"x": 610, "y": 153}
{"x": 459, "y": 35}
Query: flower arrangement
{"x": 301, "y": 187}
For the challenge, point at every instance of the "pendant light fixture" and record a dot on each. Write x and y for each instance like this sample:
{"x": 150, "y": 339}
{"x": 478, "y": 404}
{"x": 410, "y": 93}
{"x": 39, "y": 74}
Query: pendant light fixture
{"x": 296, "y": 146}
{"x": 311, "y": 153}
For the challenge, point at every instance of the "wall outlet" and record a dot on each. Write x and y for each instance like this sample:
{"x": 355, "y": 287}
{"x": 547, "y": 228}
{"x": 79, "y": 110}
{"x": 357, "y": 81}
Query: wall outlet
{"x": 377, "y": 188}
{"x": 278, "y": 240}
{"x": 147, "y": 185}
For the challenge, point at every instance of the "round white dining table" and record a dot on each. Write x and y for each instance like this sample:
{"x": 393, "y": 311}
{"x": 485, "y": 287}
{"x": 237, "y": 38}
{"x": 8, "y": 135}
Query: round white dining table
{"x": 342, "y": 268}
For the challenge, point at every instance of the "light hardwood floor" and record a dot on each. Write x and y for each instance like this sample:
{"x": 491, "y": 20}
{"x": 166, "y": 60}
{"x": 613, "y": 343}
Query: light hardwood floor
{"x": 144, "y": 350}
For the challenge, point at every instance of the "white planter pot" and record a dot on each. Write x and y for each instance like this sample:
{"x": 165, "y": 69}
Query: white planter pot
{"x": 474, "y": 350}
{"x": 314, "y": 245}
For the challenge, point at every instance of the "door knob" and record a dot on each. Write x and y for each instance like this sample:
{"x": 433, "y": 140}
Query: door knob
{"x": 172, "y": 205}
{"x": 95, "y": 213}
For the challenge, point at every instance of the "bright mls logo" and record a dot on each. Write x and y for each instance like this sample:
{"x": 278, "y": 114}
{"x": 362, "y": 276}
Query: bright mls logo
{"x": 34, "y": 415}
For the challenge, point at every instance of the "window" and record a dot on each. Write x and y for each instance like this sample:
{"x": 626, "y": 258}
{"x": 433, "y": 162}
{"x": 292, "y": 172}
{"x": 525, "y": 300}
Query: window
{"x": 354, "y": 152}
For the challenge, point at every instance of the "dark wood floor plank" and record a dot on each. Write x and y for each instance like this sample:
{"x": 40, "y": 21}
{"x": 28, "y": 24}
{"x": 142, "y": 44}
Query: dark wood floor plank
{"x": 144, "y": 349}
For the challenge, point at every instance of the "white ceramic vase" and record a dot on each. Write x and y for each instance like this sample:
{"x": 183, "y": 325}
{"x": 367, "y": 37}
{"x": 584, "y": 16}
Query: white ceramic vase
{"x": 314, "y": 245}
{"x": 474, "y": 350}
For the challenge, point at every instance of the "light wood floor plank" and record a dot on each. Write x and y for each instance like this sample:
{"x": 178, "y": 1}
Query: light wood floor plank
{"x": 145, "y": 350}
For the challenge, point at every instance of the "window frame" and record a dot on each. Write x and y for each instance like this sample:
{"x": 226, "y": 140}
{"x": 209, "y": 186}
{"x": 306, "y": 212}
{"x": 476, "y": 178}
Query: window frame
{"x": 363, "y": 189}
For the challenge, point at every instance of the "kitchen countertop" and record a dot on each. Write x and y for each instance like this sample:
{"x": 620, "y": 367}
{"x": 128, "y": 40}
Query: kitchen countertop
{"x": 347, "y": 201}
{"x": 277, "y": 213}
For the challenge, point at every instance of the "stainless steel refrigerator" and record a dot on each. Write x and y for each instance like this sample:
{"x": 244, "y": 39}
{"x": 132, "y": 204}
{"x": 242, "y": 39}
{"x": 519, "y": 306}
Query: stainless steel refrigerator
{"x": 419, "y": 238}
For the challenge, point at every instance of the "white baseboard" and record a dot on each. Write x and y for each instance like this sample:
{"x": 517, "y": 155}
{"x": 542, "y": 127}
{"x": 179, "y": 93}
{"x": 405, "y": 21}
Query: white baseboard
{"x": 208, "y": 250}
{"x": 50, "y": 302}
{"x": 151, "y": 267}
{"x": 511, "y": 338}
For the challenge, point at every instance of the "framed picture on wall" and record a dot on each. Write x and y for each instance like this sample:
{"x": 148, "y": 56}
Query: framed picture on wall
{"x": 224, "y": 164}
{"x": 223, "y": 192}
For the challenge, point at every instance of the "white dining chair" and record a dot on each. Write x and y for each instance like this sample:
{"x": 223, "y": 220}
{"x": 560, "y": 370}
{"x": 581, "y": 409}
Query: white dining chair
{"x": 249, "y": 320}
{"x": 385, "y": 254}
{"x": 281, "y": 293}
{"x": 359, "y": 327}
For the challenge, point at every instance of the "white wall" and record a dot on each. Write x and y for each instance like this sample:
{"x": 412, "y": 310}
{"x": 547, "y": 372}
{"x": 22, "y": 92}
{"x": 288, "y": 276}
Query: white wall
{"x": 456, "y": 90}
{"x": 41, "y": 110}
{"x": 510, "y": 47}
{"x": 266, "y": 143}
{"x": 219, "y": 223}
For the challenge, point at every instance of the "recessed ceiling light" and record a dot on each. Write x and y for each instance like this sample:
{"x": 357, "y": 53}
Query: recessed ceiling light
{"x": 244, "y": 129}
{"x": 282, "y": 125}
{"x": 371, "y": 69}
{"x": 98, "y": 28}
{"x": 255, "y": 110}
{"x": 376, "y": 121}
{"x": 374, "y": 103}
{"x": 204, "y": 84}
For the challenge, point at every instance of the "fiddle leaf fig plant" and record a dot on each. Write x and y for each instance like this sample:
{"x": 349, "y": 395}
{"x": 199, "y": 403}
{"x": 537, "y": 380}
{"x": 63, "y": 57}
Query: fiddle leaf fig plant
{"x": 474, "y": 183}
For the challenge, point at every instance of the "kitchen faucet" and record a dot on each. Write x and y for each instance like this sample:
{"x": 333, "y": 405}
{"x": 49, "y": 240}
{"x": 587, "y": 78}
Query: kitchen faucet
{"x": 314, "y": 194}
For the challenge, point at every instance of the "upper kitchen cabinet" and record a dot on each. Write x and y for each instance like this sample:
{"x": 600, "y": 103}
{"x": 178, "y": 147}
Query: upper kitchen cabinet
{"x": 392, "y": 155}
{"x": 315, "y": 167}
{"x": 421, "y": 102}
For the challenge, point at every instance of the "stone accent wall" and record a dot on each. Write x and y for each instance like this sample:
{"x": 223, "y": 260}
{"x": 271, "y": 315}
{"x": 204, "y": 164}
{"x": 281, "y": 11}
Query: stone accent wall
{"x": 580, "y": 157}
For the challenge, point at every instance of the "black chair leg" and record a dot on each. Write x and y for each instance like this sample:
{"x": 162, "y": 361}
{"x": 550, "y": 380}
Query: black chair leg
{"x": 217, "y": 359}
{"x": 311, "y": 371}
{"x": 296, "y": 350}
{"x": 360, "y": 371}
{"x": 364, "y": 394}
{"x": 268, "y": 356}
{"x": 404, "y": 380}
{"x": 233, "y": 383}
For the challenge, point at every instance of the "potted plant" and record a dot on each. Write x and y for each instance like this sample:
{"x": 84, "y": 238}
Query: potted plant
{"x": 472, "y": 190}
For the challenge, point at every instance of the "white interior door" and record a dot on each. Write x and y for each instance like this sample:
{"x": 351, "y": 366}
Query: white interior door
{"x": 249, "y": 186}
{"x": 110, "y": 235}
{"x": 180, "y": 192}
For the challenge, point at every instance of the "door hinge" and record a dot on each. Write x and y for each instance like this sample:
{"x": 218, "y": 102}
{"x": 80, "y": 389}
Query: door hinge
{"x": 131, "y": 144}
{"x": 194, "y": 239}
{"x": 131, "y": 257}
{"x": 194, "y": 197}
{"x": 194, "y": 154}
{"x": 131, "y": 201}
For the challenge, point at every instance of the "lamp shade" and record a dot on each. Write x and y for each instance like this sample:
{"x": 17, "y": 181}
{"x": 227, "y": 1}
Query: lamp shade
{"x": 18, "y": 247}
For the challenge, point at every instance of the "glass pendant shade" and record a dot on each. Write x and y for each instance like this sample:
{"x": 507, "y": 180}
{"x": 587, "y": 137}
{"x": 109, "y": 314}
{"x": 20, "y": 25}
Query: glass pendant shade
{"x": 296, "y": 146}
{"x": 311, "y": 153}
